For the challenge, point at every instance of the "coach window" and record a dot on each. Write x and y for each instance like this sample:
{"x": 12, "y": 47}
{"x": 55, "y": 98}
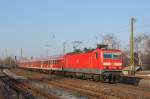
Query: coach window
{"x": 55, "y": 62}
{"x": 45, "y": 62}
{"x": 50, "y": 62}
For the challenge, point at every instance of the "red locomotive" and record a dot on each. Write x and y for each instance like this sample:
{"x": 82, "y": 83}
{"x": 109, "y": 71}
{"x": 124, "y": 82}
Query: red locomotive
{"x": 97, "y": 64}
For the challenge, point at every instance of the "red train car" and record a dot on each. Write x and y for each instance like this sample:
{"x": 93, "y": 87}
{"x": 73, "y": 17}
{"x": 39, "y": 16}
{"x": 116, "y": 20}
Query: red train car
{"x": 53, "y": 63}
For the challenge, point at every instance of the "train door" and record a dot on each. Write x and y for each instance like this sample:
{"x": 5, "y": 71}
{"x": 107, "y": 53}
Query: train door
{"x": 96, "y": 60}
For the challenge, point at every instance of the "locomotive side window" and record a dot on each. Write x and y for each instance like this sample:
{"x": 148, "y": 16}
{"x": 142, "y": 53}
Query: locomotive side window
{"x": 107, "y": 55}
{"x": 96, "y": 55}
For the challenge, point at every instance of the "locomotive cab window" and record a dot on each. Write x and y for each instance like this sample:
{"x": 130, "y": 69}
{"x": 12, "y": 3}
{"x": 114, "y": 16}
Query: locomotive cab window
{"x": 107, "y": 55}
{"x": 116, "y": 55}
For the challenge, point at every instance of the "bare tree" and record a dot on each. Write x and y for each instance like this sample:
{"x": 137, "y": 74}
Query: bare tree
{"x": 142, "y": 48}
{"x": 9, "y": 62}
{"x": 112, "y": 41}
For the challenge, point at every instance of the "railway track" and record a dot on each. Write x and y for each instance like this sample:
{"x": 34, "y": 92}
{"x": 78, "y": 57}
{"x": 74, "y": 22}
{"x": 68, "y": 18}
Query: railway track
{"x": 25, "y": 90}
{"x": 4, "y": 89}
{"x": 4, "y": 94}
{"x": 19, "y": 88}
{"x": 101, "y": 91}
{"x": 95, "y": 89}
{"x": 92, "y": 94}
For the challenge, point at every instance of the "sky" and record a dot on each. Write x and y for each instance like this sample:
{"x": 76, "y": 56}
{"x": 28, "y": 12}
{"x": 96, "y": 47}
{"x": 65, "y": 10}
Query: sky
{"x": 33, "y": 24}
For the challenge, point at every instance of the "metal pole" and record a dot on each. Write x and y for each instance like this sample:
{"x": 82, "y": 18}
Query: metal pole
{"x": 47, "y": 49}
{"x": 6, "y": 52}
{"x": 21, "y": 52}
{"x": 64, "y": 48}
{"x": 10, "y": 61}
{"x": 132, "y": 46}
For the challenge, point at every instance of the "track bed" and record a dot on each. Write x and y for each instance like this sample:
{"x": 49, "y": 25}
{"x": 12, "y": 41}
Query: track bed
{"x": 86, "y": 88}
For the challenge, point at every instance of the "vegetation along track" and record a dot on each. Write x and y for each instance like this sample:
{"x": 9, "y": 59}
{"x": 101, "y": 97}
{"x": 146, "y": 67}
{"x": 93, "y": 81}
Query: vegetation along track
{"x": 93, "y": 89}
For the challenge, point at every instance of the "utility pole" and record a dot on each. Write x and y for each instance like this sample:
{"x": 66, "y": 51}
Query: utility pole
{"x": 6, "y": 52}
{"x": 132, "y": 47}
{"x": 21, "y": 53}
{"x": 64, "y": 48}
{"x": 47, "y": 46}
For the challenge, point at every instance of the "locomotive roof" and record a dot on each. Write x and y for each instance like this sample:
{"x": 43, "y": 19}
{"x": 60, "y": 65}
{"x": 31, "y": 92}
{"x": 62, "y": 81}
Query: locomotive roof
{"x": 90, "y": 51}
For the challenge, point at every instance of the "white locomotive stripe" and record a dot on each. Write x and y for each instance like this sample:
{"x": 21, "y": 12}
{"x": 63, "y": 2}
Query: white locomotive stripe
{"x": 114, "y": 64}
{"x": 106, "y": 63}
{"x": 117, "y": 64}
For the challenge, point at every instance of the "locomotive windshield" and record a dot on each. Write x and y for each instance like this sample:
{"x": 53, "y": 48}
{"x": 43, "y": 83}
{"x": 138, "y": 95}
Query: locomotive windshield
{"x": 107, "y": 55}
{"x": 116, "y": 55}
